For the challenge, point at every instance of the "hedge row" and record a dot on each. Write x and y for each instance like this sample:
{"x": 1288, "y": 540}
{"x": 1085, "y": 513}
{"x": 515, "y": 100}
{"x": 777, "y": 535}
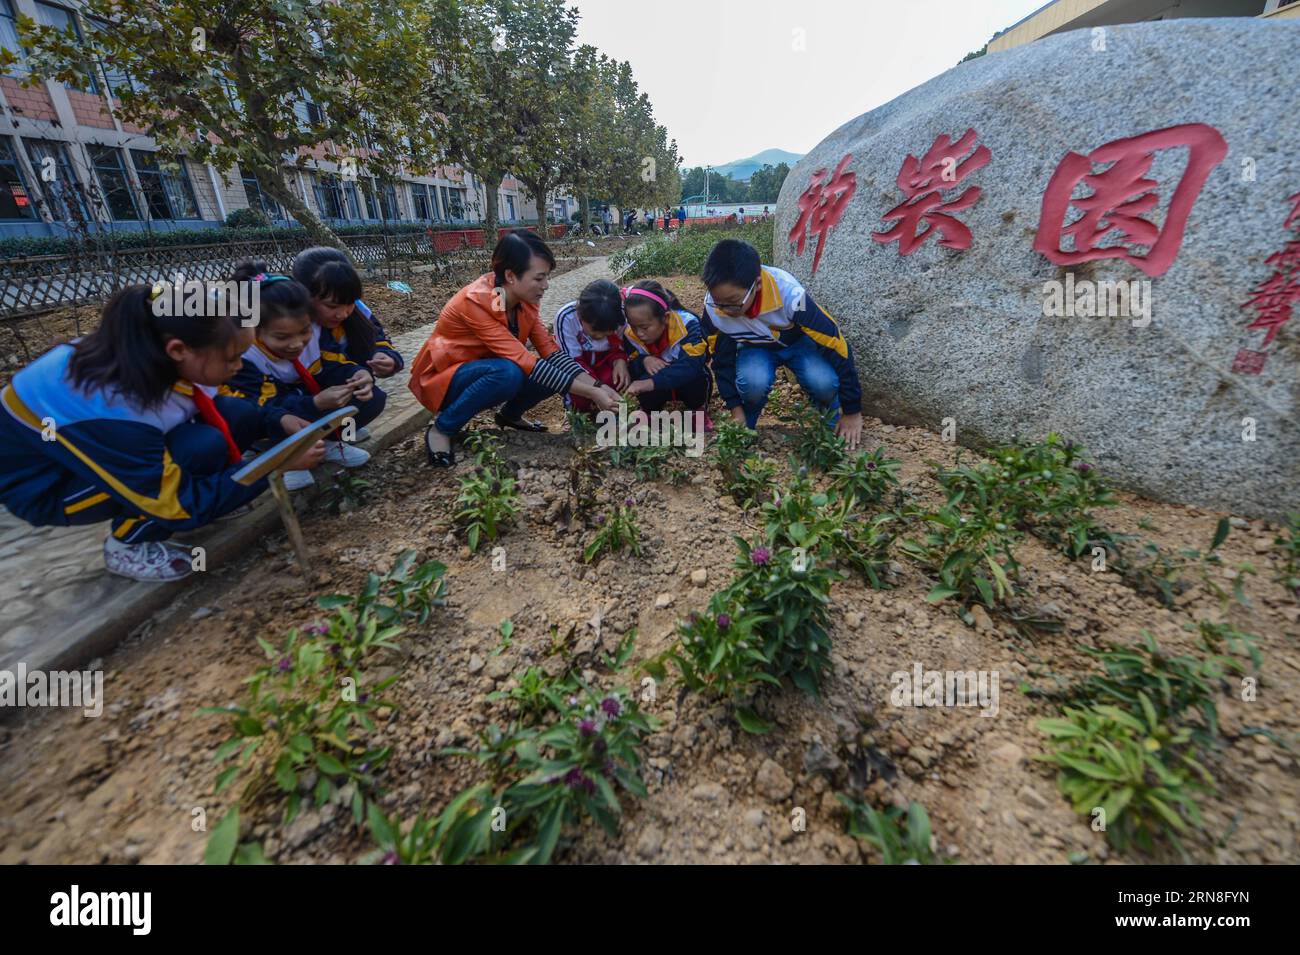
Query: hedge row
{"x": 52, "y": 245}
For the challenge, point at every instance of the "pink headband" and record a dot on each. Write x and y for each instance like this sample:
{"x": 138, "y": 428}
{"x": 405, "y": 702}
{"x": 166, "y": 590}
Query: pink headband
{"x": 648, "y": 294}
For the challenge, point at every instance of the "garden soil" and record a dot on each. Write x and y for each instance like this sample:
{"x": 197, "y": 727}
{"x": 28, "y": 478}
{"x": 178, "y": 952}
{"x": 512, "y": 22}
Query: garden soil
{"x": 135, "y": 784}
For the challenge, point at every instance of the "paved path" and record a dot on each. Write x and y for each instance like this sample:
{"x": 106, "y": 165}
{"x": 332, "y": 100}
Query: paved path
{"x": 62, "y": 609}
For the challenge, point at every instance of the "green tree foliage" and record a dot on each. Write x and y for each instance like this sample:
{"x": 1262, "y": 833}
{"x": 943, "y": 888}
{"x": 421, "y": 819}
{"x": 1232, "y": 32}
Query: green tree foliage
{"x": 230, "y": 83}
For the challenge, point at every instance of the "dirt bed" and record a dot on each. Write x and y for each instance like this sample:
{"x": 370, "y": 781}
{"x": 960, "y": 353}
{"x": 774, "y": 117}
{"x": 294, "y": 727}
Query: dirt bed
{"x": 125, "y": 787}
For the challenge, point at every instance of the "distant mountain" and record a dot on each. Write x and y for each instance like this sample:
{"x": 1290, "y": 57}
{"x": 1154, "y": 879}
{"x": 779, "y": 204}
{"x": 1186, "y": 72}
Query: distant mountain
{"x": 742, "y": 169}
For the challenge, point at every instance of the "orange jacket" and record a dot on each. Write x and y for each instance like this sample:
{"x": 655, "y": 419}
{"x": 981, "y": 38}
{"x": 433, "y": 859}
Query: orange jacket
{"x": 469, "y": 328}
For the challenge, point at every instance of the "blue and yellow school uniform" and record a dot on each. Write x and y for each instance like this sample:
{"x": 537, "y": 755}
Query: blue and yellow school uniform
{"x": 682, "y": 347}
{"x": 784, "y": 320}
{"x": 73, "y": 457}
{"x": 277, "y": 387}
{"x": 383, "y": 342}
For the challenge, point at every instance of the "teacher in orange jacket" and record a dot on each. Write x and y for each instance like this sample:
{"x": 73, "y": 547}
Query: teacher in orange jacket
{"x": 475, "y": 359}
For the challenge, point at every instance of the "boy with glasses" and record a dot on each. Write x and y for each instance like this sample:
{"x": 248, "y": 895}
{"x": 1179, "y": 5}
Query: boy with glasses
{"x": 765, "y": 318}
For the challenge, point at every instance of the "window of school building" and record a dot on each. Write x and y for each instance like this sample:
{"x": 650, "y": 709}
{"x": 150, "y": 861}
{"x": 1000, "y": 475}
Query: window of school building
{"x": 424, "y": 203}
{"x": 257, "y": 199}
{"x": 110, "y": 169}
{"x": 9, "y": 31}
{"x": 61, "y": 18}
{"x": 453, "y": 202}
{"x": 166, "y": 186}
{"x": 58, "y": 183}
{"x": 15, "y": 200}
{"x": 329, "y": 196}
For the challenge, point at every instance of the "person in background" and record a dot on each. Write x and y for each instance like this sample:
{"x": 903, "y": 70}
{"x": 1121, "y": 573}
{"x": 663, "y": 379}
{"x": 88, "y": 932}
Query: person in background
{"x": 475, "y": 358}
{"x": 670, "y": 360}
{"x": 607, "y": 217}
{"x": 765, "y": 318}
{"x": 283, "y": 370}
{"x": 350, "y": 339}
{"x": 590, "y": 332}
{"x": 681, "y": 218}
{"x": 125, "y": 425}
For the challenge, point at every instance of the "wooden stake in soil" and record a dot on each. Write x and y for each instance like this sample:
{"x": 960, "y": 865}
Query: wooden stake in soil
{"x": 270, "y": 465}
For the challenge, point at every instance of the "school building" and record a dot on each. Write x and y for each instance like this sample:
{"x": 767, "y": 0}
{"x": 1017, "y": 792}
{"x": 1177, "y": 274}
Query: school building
{"x": 1062, "y": 15}
{"x": 68, "y": 162}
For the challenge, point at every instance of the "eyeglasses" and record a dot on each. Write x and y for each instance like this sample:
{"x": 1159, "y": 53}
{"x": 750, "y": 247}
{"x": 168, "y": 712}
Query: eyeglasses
{"x": 731, "y": 307}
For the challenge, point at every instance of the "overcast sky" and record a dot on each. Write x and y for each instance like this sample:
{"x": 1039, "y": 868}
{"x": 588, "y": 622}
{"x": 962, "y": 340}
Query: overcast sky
{"x": 727, "y": 79}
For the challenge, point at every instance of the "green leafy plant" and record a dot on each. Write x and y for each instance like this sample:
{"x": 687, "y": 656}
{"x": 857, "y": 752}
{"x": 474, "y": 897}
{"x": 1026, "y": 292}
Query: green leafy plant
{"x": 1287, "y": 543}
{"x": 865, "y": 545}
{"x": 816, "y": 445}
{"x": 801, "y": 516}
{"x": 582, "y": 428}
{"x": 971, "y": 553}
{"x": 618, "y": 532}
{"x": 901, "y": 838}
{"x": 721, "y": 653}
{"x": 752, "y": 482}
{"x": 309, "y": 711}
{"x": 541, "y": 780}
{"x": 1175, "y": 685}
{"x": 1136, "y": 774}
{"x": 865, "y": 477}
{"x": 1218, "y": 636}
{"x": 487, "y": 504}
{"x": 732, "y": 443}
{"x": 790, "y": 590}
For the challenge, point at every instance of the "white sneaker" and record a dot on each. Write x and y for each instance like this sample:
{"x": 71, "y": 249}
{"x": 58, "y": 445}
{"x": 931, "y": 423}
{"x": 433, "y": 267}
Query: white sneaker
{"x": 336, "y": 452}
{"x": 297, "y": 480}
{"x": 363, "y": 434}
{"x": 149, "y": 561}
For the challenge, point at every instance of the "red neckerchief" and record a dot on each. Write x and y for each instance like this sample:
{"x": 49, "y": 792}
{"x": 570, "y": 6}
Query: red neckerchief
{"x": 308, "y": 380}
{"x": 211, "y": 416}
{"x": 752, "y": 311}
{"x": 657, "y": 348}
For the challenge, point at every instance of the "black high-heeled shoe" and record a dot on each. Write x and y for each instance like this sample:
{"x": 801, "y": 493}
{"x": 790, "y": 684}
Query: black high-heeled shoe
{"x": 438, "y": 459}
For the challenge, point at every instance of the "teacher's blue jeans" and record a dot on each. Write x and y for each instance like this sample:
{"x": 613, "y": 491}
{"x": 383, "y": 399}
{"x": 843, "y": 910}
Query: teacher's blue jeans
{"x": 486, "y": 383}
{"x": 756, "y": 372}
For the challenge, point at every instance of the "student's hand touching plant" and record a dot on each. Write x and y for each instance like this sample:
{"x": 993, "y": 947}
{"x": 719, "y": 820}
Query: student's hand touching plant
{"x": 640, "y": 387}
{"x": 606, "y": 399}
{"x": 850, "y": 429}
{"x": 738, "y": 414}
{"x": 622, "y": 377}
{"x": 382, "y": 365}
{"x": 363, "y": 384}
{"x": 654, "y": 365}
{"x": 333, "y": 397}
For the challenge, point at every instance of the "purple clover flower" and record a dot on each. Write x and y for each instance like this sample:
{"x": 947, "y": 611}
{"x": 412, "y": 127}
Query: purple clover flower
{"x": 760, "y": 556}
{"x": 610, "y": 706}
{"x": 1084, "y": 467}
{"x": 318, "y": 629}
{"x": 285, "y": 664}
{"x": 629, "y": 501}
{"x": 871, "y": 465}
{"x": 392, "y": 859}
{"x": 586, "y": 727}
{"x": 724, "y": 621}
{"x": 577, "y": 779}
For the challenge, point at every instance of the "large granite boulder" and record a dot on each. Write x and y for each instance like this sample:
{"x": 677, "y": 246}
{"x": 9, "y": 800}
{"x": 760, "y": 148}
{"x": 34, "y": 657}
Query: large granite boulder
{"x": 966, "y": 234}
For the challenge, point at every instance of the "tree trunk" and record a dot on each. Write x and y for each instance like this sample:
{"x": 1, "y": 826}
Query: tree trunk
{"x": 543, "y": 211}
{"x": 273, "y": 184}
{"x": 586, "y": 213}
{"x": 493, "y": 187}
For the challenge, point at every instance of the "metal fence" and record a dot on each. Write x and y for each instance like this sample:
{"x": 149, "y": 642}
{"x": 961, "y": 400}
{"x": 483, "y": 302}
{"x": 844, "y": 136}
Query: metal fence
{"x": 30, "y": 285}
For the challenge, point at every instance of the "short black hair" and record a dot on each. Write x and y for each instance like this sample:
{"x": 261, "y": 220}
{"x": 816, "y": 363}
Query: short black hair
{"x": 328, "y": 274}
{"x": 600, "y": 305}
{"x": 733, "y": 261}
{"x": 515, "y": 251}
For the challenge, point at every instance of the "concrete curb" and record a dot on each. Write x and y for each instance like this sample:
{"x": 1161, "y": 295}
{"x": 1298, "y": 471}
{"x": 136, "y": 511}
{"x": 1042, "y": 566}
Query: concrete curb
{"x": 107, "y": 625}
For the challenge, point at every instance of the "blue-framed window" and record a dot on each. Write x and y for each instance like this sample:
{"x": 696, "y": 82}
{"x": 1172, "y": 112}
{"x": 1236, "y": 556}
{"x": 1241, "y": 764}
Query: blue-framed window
{"x": 15, "y": 198}
{"x": 166, "y": 185}
{"x": 114, "y": 183}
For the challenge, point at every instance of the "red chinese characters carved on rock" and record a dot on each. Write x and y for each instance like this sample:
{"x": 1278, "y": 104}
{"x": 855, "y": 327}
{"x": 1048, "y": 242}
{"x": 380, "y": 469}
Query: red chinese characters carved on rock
{"x": 821, "y": 205}
{"x": 922, "y": 182}
{"x": 1122, "y": 193}
{"x": 1274, "y": 299}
